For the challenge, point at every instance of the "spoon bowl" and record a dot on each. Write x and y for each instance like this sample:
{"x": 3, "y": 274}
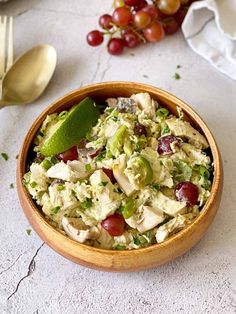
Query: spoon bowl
{"x": 29, "y": 76}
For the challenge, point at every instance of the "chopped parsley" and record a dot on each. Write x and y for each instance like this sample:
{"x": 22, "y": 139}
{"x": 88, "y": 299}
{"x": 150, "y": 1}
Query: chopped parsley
{"x": 156, "y": 186}
{"x": 33, "y": 184}
{"x": 55, "y": 210}
{"x": 88, "y": 167}
{"x": 60, "y": 187}
{"x": 120, "y": 247}
{"x": 118, "y": 190}
{"x": 28, "y": 231}
{"x": 17, "y": 156}
{"x": 178, "y": 66}
{"x": 162, "y": 113}
{"x": 204, "y": 172}
{"x": 11, "y": 186}
{"x": 165, "y": 130}
{"x": 103, "y": 183}
{"x": 101, "y": 156}
{"x": 4, "y": 156}
{"x": 136, "y": 241}
{"x": 87, "y": 204}
{"x": 177, "y": 76}
{"x": 120, "y": 209}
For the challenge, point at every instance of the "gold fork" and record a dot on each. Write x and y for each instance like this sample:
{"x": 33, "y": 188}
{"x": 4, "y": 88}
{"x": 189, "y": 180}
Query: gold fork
{"x": 6, "y": 44}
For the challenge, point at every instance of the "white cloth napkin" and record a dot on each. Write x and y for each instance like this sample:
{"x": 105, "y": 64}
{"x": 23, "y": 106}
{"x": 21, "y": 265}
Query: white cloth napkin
{"x": 210, "y": 30}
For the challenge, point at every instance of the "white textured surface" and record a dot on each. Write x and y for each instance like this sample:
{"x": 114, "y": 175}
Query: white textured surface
{"x": 35, "y": 279}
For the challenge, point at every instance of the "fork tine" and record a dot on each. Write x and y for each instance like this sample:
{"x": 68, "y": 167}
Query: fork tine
{"x": 3, "y": 24}
{"x": 10, "y": 44}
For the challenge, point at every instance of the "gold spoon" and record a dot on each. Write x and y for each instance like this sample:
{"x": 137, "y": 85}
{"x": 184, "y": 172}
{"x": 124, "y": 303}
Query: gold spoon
{"x": 29, "y": 76}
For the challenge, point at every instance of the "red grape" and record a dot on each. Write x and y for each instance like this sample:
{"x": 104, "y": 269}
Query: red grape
{"x": 170, "y": 25}
{"x": 154, "y": 32}
{"x": 151, "y": 10}
{"x": 118, "y": 3}
{"x": 169, "y": 7}
{"x": 114, "y": 225}
{"x": 110, "y": 175}
{"x": 131, "y": 39}
{"x": 180, "y": 15}
{"x": 187, "y": 191}
{"x": 140, "y": 5}
{"x": 164, "y": 142}
{"x": 131, "y": 2}
{"x": 142, "y": 19}
{"x": 115, "y": 46}
{"x": 140, "y": 129}
{"x": 70, "y": 154}
{"x": 122, "y": 16}
{"x": 94, "y": 38}
{"x": 105, "y": 21}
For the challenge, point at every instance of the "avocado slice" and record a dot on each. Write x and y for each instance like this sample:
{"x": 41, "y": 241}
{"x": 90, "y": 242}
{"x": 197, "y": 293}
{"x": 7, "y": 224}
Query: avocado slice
{"x": 70, "y": 130}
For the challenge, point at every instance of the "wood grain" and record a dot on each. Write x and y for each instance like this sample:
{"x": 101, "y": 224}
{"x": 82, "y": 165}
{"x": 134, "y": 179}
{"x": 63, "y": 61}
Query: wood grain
{"x": 111, "y": 260}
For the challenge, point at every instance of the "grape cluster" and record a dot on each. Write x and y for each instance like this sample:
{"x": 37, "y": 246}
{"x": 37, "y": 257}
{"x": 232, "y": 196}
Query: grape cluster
{"x": 138, "y": 21}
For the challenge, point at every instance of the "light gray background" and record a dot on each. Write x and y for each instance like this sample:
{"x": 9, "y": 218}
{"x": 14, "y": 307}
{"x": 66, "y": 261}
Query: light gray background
{"x": 35, "y": 279}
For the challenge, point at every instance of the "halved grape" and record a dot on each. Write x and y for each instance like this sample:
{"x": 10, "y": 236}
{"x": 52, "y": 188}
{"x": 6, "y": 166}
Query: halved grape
{"x": 110, "y": 174}
{"x": 94, "y": 38}
{"x": 140, "y": 129}
{"x": 70, "y": 154}
{"x": 164, "y": 144}
{"x": 114, "y": 225}
{"x": 188, "y": 192}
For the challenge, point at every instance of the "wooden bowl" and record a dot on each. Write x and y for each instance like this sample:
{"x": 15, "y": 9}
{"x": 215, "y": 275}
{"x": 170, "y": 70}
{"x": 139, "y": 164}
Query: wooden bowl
{"x": 112, "y": 260}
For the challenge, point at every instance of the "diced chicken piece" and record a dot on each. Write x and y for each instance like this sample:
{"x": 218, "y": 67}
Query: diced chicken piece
{"x": 121, "y": 178}
{"x": 167, "y": 205}
{"x": 125, "y": 238}
{"x": 153, "y": 143}
{"x": 71, "y": 171}
{"x": 183, "y": 128}
{"x": 104, "y": 240}
{"x": 171, "y": 226}
{"x": 76, "y": 229}
{"x": 125, "y": 104}
{"x": 161, "y": 174}
{"x": 112, "y": 102}
{"x": 64, "y": 198}
{"x": 145, "y": 219}
{"x": 146, "y": 103}
{"x": 38, "y": 175}
{"x": 195, "y": 155}
{"x": 110, "y": 128}
{"x": 105, "y": 200}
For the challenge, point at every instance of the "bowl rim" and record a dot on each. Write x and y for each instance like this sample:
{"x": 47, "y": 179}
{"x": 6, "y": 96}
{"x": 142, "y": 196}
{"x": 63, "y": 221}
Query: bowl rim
{"x": 215, "y": 189}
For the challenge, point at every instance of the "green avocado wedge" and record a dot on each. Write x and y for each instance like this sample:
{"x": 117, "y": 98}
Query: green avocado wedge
{"x": 70, "y": 130}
